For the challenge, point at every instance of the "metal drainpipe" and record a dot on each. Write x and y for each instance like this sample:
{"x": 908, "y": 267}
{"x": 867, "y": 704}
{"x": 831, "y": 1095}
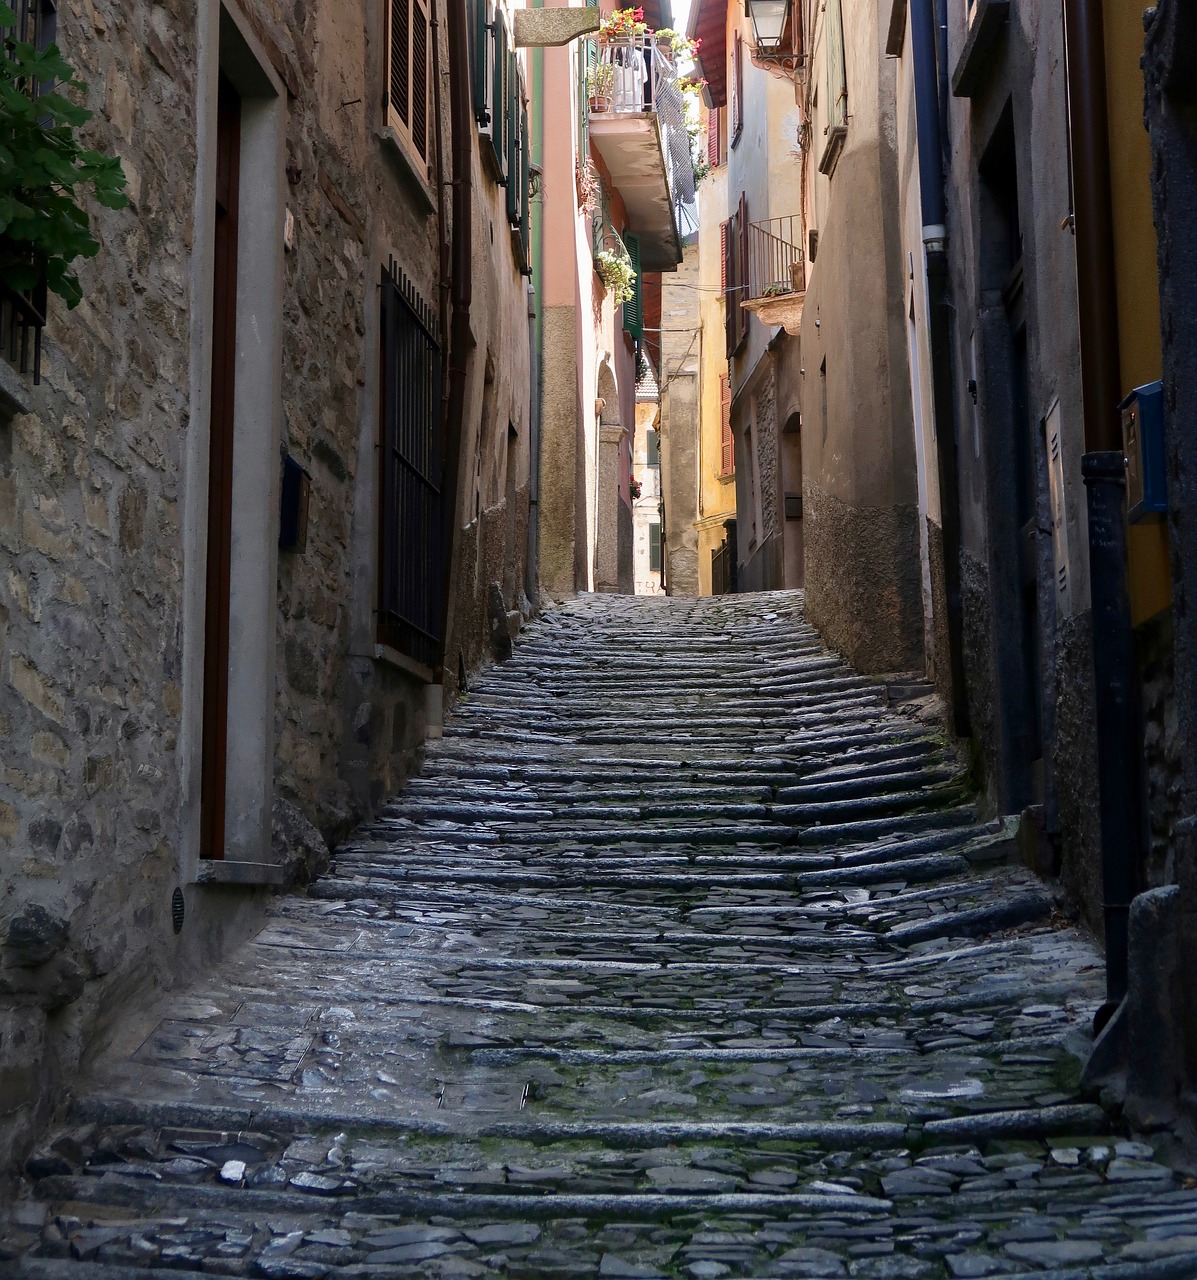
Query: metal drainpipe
{"x": 535, "y": 344}
{"x": 935, "y": 238}
{"x": 460, "y": 339}
{"x": 1119, "y": 748}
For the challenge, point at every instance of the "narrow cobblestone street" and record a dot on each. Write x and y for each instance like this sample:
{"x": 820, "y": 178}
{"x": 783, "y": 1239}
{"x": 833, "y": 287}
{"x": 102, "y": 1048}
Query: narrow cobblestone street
{"x": 683, "y": 956}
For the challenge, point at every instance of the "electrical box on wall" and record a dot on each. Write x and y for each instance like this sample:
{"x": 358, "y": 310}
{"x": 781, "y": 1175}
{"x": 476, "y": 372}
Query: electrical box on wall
{"x": 293, "y": 507}
{"x": 1143, "y": 443}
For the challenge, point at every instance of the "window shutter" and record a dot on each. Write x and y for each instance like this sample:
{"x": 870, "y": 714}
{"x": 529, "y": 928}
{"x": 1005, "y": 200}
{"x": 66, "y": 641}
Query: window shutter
{"x": 500, "y": 107}
{"x": 420, "y": 51}
{"x": 408, "y": 82}
{"x": 633, "y": 309}
{"x": 654, "y": 548}
{"x": 742, "y": 268}
{"x": 713, "y": 138}
{"x": 526, "y": 191}
{"x": 727, "y": 451}
{"x": 723, "y": 232}
{"x": 515, "y": 142}
{"x": 481, "y": 49}
{"x": 737, "y": 93}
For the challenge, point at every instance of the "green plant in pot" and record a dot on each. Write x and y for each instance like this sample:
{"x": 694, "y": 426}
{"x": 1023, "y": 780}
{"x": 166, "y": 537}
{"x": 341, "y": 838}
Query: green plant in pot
{"x": 600, "y": 82}
{"x": 44, "y": 169}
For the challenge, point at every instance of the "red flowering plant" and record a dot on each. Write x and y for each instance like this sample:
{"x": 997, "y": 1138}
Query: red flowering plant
{"x": 623, "y": 24}
{"x": 634, "y": 489}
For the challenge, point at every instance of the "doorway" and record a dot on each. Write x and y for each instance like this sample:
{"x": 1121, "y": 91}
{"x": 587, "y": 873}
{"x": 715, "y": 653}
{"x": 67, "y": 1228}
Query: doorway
{"x": 220, "y": 471}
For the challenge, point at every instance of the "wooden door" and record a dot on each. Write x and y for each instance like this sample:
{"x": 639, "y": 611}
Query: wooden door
{"x": 220, "y": 474}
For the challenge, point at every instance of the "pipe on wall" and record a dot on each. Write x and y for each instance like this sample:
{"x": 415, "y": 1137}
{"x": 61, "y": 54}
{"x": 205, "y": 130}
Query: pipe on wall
{"x": 462, "y": 275}
{"x": 930, "y": 131}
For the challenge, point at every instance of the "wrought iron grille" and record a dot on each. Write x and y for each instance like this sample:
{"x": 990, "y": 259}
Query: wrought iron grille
{"x": 411, "y": 562}
{"x": 775, "y": 257}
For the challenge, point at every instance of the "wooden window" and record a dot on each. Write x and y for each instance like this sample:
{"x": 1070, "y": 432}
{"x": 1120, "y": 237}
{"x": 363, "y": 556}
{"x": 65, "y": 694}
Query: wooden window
{"x": 409, "y": 77}
{"x": 653, "y": 439}
{"x": 734, "y": 275}
{"x": 654, "y": 548}
{"x": 736, "y": 106}
{"x": 713, "y": 138}
{"x": 837, "y": 76}
{"x": 633, "y": 309}
{"x": 410, "y": 614}
{"x": 482, "y": 53}
{"x": 727, "y": 449}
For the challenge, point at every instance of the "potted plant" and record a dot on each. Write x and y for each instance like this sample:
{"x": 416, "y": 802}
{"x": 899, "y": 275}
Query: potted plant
{"x": 623, "y": 24}
{"x": 615, "y": 271}
{"x": 634, "y": 489}
{"x": 600, "y": 80}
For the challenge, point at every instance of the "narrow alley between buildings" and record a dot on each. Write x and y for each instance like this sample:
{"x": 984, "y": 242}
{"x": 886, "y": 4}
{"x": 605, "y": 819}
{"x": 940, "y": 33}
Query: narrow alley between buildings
{"x": 683, "y": 956}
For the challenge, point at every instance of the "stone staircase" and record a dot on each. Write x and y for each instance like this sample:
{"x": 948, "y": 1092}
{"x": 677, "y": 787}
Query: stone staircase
{"x": 683, "y": 956}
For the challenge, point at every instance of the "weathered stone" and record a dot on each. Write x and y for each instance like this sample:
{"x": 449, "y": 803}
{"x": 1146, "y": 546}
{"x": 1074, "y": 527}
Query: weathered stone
{"x": 34, "y": 935}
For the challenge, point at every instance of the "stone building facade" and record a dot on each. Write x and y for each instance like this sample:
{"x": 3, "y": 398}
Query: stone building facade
{"x": 190, "y": 712}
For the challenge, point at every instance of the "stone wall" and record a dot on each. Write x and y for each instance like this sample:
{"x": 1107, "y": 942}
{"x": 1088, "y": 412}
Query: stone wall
{"x": 868, "y": 609}
{"x": 103, "y": 510}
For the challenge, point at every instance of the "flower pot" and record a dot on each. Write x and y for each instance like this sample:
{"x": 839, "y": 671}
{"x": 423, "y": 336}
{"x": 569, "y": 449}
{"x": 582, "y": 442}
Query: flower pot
{"x": 600, "y": 102}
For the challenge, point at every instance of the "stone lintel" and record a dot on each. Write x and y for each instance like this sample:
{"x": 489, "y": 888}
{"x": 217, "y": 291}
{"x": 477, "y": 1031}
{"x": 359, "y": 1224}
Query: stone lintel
{"x": 543, "y": 28}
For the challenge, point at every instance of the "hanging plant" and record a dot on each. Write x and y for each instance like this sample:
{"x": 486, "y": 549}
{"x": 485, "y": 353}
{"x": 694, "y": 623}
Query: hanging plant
{"x": 589, "y": 186}
{"x": 615, "y": 271}
{"x": 44, "y": 169}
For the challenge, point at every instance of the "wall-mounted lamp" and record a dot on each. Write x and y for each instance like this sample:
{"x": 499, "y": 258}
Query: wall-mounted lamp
{"x": 769, "y": 21}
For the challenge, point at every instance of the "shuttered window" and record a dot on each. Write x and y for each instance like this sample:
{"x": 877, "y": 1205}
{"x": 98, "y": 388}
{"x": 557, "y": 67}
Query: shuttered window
{"x": 713, "y": 138}
{"x": 654, "y": 548}
{"x": 482, "y": 59}
{"x": 727, "y": 448}
{"x": 734, "y": 275}
{"x": 653, "y": 441}
{"x": 736, "y": 106}
{"x": 633, "y": 309}
{"x": 409, "y": 77}
{"x": 837, "y": 77}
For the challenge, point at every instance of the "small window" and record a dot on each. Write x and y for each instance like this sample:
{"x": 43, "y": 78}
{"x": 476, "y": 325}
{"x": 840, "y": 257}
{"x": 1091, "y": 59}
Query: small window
{"x": 654, "y": 448}
{"x": 654, "y": 548}
{"x": 409, "y": 74}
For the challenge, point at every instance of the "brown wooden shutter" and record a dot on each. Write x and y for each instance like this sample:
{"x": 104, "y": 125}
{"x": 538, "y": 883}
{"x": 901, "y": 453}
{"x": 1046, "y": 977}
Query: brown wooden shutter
{"x": 713, "y": 138}
{"x": 727, "y": 461}
{"x": 400, "y": 40}
{"x": 742, "y": 267}
{"x": 723, "y": 248}
{"x": 419, "y": 77}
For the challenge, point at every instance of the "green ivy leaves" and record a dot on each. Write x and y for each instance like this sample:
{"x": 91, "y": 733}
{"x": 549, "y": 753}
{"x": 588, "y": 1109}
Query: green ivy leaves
{"x": 44, "y": 169}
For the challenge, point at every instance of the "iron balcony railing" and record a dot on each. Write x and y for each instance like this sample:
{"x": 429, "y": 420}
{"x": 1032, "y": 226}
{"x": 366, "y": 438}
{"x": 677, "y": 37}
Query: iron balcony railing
{"x": 775, "y": 263}
{"x": 22, "y": 318}
{"x": 646, "y": 80}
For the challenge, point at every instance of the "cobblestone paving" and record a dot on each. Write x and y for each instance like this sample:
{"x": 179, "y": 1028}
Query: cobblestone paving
{"x": 683, "y": 957}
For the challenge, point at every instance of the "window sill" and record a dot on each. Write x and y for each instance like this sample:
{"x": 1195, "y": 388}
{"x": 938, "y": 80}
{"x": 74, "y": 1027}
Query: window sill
{"x": 975, "y": 61}
{"x": 730, "y": 478}
{"x": 408, "y": 167}
{"x": 227, "y": 871}
{"x": 14, "y": 393}
{"x": 393, "y": 658}
{"x": 836, "y": 134}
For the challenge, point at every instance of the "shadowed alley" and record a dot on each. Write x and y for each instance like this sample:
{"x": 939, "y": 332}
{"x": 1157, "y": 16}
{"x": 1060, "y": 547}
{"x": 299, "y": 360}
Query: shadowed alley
{"x": 683, "y": 956}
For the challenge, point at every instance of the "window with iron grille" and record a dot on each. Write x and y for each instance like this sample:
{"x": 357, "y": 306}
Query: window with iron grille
{"x": 409, "y": 74}
{"x": 727, "y": 444}
{"x": 410, "y": 532}
{"x": 23, "y": 312}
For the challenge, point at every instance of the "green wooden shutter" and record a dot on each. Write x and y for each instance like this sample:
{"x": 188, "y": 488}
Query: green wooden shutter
{"x": 633, "y": 309}
{"x": 481, "y": 34}
{"x": 499, "y": 118}
{"x": 515, "y": 141}
{"x": 526, "y": 190}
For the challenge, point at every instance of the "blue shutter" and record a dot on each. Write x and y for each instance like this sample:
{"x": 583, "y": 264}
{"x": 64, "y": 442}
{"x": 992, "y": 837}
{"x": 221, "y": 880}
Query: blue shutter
{"x": 480, "y": 50}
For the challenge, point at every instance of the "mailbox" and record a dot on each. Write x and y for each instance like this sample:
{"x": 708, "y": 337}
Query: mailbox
{"x": 293, "y": 507}
{"x": 1143, "y": 443}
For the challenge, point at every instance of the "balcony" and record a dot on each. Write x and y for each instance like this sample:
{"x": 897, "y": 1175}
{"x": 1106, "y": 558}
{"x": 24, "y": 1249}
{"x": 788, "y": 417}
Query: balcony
{"x": 638, "y": 127}
{"x": 776, "y": 272}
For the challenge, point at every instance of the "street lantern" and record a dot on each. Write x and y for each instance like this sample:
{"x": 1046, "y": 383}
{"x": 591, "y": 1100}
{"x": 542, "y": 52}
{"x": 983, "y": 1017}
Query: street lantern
{"x": 769, "y": 19}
